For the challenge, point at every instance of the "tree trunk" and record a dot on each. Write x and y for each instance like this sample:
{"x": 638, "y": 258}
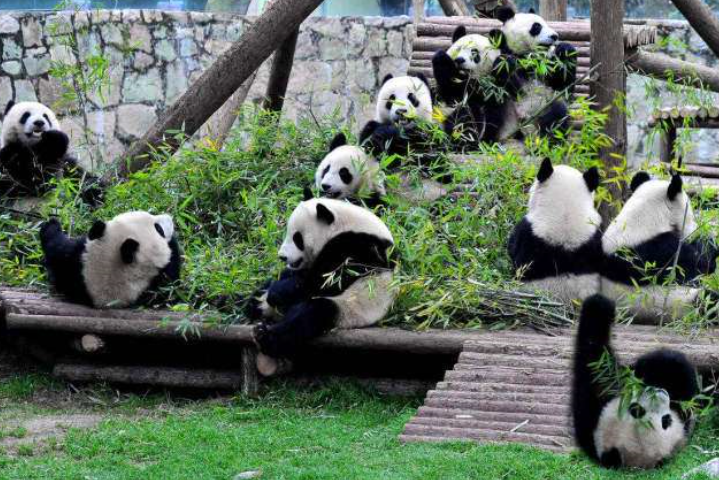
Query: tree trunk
{"x": 418, "y": 7}
{"x": 280, "y": 74}
{"x": 454, "y": 8}
{"x": 607, "y": 55}
{"x": 219, "y": 81}
{"x": 703, "y": 19}
{"x": 553, "y": 10}
{"x": 657, "y": 65}
{"x": 220, "y": 123}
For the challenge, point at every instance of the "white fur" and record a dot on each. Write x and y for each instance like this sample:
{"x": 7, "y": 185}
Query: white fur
{"x": 401, "y": 109}
{"x": 649, "y": 213}
{"x": 366, "y": 301}
{"x": 642, "y": 443}
{"x": 652, "y": 302}
{"x": 109, "y": 281}
{"x": 519, "y": 40}
{"x": 27, "y": 133}
{"x": 566, "y": 287}
{"x": 316, "y": 234}
{"x": 366, "y": 173}
{"x": 478, "y": 54}
{"x": 561, "y": 209}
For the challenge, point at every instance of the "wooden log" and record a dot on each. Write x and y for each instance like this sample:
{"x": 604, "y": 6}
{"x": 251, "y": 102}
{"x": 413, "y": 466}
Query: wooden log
{"x": 501, "y": 387}
{"x": 479, "y": 424}
{"x": 454, "y": 8}
{"x": 703, "y": 19}
{"x": 250, "y": 380}
{"x": 505, "y": 417}
{"x": 89, "y": 344}
{"x": 407, "y": 438}
{"x": 280, "y": 74}
{"x": 218, "y": 82}
{"x": 418, "y": 7}
{"x": 657, "y": 65}
{"x": 548, "y": 398}
{"x": 219, "y": 125}
{"x": 488, "y": 435}
{"x": 156, "y": 376}
{"x": 667, "y": 139}
{"x": 553, "y": 10}
{"x": 608, "y": 89}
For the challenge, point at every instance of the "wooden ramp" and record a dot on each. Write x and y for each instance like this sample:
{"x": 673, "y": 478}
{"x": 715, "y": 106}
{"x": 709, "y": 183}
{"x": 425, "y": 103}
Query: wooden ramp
{"x": 516, "y": 389}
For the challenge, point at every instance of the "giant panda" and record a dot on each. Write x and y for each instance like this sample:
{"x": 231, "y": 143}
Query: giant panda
{"x": 641, "y": 244}
{"x": 531, "y": 91}
{"x": 652, "y": 427}
{"x": 33, "y": 150}
{"x": 338, "y": 275}
{"x": 348, "y": 173}
{"x": 556, "y": 246}
{"x": 118, "y": 264}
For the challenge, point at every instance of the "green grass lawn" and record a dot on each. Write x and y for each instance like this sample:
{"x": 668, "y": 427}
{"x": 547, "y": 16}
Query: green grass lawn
{"x": 335, "y": 431}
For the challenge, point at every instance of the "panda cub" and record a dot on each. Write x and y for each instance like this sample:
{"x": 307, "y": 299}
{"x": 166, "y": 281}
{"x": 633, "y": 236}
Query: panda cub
{"x": 347, "y": 172}
{"x": 556, "y": 246}
{"x": 33, "y": 150}
{"x": 641, "y": 246}
{"x": 338, "y": 275}
{"x": 652, "y": 427}
{"x": 404, "y": 109}
{"x": 530, "y": 91}
{"x": 118, "y": 264}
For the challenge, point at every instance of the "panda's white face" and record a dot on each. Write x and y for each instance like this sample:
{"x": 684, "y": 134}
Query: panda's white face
{"x": 25, "y": 122}
{"x": 474, "y": 54}
{"x": 403, "y": 100}
{"x": 317, "y": 221}
{"x": 525, "y": 32}
{"x": 561, "y": 205}
{"x": 655, "y": 207}
{"x": 644, "y": 435}
{"x": 346, "y": 171}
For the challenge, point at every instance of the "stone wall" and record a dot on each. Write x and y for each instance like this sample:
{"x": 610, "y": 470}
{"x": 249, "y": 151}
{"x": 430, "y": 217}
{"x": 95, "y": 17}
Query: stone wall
{"x": 154, "y": 55}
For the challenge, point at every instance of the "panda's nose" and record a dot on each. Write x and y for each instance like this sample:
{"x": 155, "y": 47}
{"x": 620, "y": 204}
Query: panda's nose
{"x": 283, "y": 258}
{"x": 554, "y": 37}
{"x": 459, "y": 60}
{"x": 39, "y": 123}
{"x": 325, "y": 187}
{"x": 401, "y": 111}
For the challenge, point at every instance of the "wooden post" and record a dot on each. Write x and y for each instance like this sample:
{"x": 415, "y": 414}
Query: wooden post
{"x": 218, "y": 82}
{"x": 553, "y": 10}
{"x": 667, "y": 139}
{"x": 280, "y": 74}
{"x": 703, "y": 19}
{"x": 250, "y": 379}
{"x": 607, "y": 56}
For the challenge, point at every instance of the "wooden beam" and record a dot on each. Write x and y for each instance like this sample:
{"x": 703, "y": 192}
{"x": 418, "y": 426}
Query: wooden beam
{"x": 280, "y": 74}
{"x": 703, "y": 19}
{"x": 658, "y": 64}
{"x": 609, "y": 89}
{"x": 553, "y": 10}
{"x": 218, "y": 82}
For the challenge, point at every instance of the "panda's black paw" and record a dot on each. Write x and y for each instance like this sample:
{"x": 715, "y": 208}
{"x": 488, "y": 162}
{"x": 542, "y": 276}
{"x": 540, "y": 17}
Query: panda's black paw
{"x": 54, "y": 143}
{"x": 263, "y": 338}
{"x": 254, "y": 307}
{"x": 565, "y": 51}
{"x": 50, "y": 228}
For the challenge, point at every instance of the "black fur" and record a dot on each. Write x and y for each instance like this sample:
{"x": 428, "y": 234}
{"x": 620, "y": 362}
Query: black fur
{"x": 63, "y": 259}
{"x": 545, "y": 170}
{"x": 339, "y": 140}
{"x": 350, "y": 256}
{"x": 638, "y": 179}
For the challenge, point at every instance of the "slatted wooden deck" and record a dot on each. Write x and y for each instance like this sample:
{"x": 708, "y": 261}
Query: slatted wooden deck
{"x": 518, "y": 390}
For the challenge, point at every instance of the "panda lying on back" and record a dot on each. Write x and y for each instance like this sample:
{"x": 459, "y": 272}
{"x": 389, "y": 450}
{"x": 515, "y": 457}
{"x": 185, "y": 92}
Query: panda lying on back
{"x": 118, "y": 264}
{"x": 33, "y": 150}
{"x": 338, "y": 276}
{"x": 556, "y": 246}
{"x": 652, "y": 427}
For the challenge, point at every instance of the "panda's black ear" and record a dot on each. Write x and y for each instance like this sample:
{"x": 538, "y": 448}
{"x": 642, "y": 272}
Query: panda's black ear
{"x": 498, "y": 39}
{"x": 459, "y": 32}
{"x": 9, "y": 105}
{"x": 128, "y": 249}
{"x": 324, "y": 215}
{"x": 387, "y": 78}
{"x": 504, "y": 14}
{"x": 531, "y": 10}
{"x": 591, "y": 178}
{"x": 307, "y": 194}
{"x": 424, "y": 80}
{"x": 638, "y": 179}
{"x": 545, "y": 170}
{"x": 339, "y": 140}
{"x": 675, "y": 186}
{"x": 97, "y": 230}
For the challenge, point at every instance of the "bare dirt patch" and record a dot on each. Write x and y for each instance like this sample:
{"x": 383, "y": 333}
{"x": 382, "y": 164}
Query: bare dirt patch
{"x": 27, "y": 436}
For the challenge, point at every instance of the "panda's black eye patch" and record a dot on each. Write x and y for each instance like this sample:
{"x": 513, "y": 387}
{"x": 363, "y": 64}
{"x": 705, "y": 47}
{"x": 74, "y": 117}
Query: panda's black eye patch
{"x": 299, "y": 241}
{"x": 636, "y": 410}
{"x": 324, "y": 172}
{"x": 345, "y": 175}
{"x": 24, "y": 117}
{"x": 413, "y": 100}
{"x": 47, "y": 118}
{"x": 160, "y": 230}
{"x": 390, "y": 101}
{"x": 666, "y": 421}
{"x": 475, "y": 55}
{"x": 536, "y": 29}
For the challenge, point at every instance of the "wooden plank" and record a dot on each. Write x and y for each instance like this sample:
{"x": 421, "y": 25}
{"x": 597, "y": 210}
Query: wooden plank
{"x": 487, "y": 435}
{"x": 522, "y": 427}
{"x": 429, "y": 439}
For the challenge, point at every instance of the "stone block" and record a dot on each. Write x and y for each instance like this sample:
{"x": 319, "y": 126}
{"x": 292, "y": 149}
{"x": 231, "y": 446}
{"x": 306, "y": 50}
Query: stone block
{"x": 152, "y": 16}
{"x": 81, "y": 20}
{"x": 62, "y": 54}
{"x": 332, "y": 49}
{"x": 131, "y": 16}
{"x": 38, "y": 65}
{"x": 98, "y": 17}
{"x": 140, "y": 38}
{"x": 142, "y": 61}
{"x": 11, "y": 67}
{"x": 59, "y": 24}
{"x": 142, "y": 87}
{"x": 395, "y": 40}
{"x": 309, "y": 77}
{"x": 356, "y": 39}
{"x": 330, "y": 27}
{"x": 160, "y": 32}
{"x": 176, "y": 79}
{"x": 376, "y": 43}
{"x": 359, "y": 74}
{"x": 31, "y": 32}
{"x": 306, "y": 49}
{"x": 5, "y": 90}
{"x": 188, "y": 47}
{"x": 176, "y": 17}
{"x": 395, "y": 66}
{"x": 10, "y": 49}
{"x": 51, "y": 91}
{"x": 165, "y": 51}
{"x": 8, "y": 25}
{"x": 112, "y": 34}
{"x": 25, "y": 91}
{"x": 133, "y": 121}
{"x": 234, "y": 31}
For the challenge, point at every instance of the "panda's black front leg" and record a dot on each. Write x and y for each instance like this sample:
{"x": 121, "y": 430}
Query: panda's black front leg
{"x": 303, "y": 323}
{"x": 18, "y": 163}
{"x": 563, "y": 72}
{"x": 450, "y": 86}
{"x": 555, "y": 116}
{"x": 380, "y": 138}
{"x": 52, "y": 146}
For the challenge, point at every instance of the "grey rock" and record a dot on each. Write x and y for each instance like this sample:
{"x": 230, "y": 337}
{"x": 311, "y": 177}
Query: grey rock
{"x": 8, "y": 24}
{"x": 331, "y": 49}
{"x": 31, "y": 32}
{"x": 306, "y": 48}
{"x": 188, "y": 47}
{"x": 112, "y": 34}
{"x": 140, "y": 38}
{"x": 711, "y": 469}
{"x": 165, "y": 51}
{"x": 133, "y": 121}
{"x": 12, "y": 67}
{"x": 376, "y": 43}
{"x": 108, "y": 93}
{"x": 152, "y": 16}
{"x": 5, "y": 90}
{"x": 329, "y": 27}
{"x": 51, "y": 91}
{"x": 358, "y": 74}
{"x": 35, "y": 66}
{"x": 25, "y": 91}
{"x": 160, "y": 32}
{"x": 142, "y": 61}
{"x": 62, "y": 54}
{"x": 11, "y": 49}
{"x": 395, "y": 40}
{"x": 310, "y": 76}
{"x": 356, "y": 39}
{"x": 131, "y": 16}
{"x": 59, "y": 24}
{"x": 176, "y": 82}
{"x": 143, "y": 87}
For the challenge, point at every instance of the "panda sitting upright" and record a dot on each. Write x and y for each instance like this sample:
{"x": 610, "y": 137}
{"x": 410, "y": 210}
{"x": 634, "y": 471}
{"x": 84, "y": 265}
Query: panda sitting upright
{"x": 348, "y": 173}
{"x": 338, "y": 275}
{"x": 556, "y": 246}
{"x": 644, "y": 430}
{"x": 118, "y": 264}
{"x": 33, "y": 150}
{"x": 530, "y": 101}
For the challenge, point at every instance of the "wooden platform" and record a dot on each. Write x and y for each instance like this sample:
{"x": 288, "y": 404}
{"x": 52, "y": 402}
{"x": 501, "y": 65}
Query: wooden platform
{"x": 673, "y": 118}
{"x": 519, "y": 391}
